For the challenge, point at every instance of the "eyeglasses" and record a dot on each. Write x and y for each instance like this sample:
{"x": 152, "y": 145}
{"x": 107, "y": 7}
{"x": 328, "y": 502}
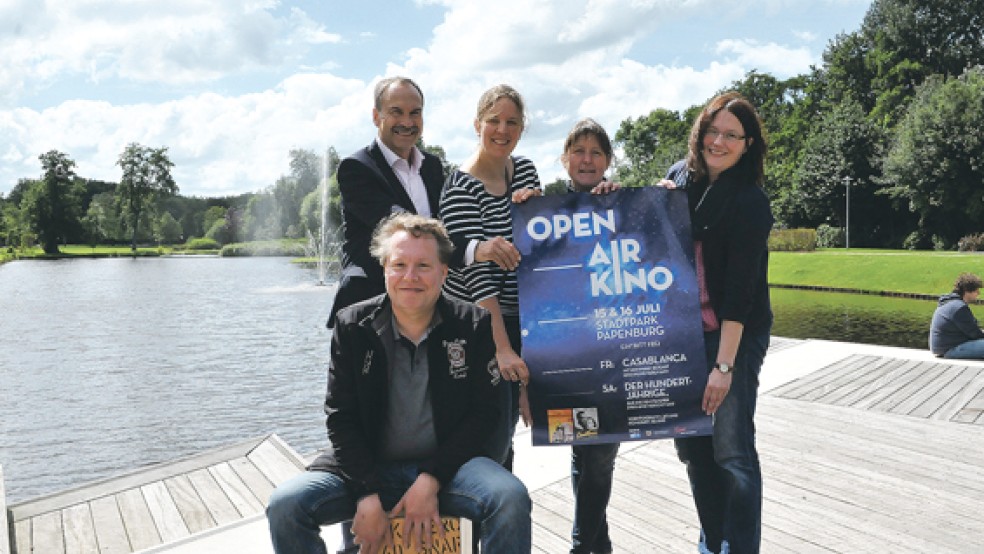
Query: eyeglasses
{"x": 730, "y": 136}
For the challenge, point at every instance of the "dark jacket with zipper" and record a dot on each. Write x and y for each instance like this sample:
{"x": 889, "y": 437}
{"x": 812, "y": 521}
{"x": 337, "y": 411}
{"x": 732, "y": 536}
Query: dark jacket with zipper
{"x": 462, "y": 373}
{"x": 733, "y": 220}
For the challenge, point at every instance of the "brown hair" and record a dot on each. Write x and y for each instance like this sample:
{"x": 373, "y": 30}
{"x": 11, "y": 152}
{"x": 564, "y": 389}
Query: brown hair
{"x": 752, "y": 162}
{"x": 417, "y": 226}
{"x": 586, "y": 127}
{"x": 966, "y": 282}
{"x": 491, "y": 96}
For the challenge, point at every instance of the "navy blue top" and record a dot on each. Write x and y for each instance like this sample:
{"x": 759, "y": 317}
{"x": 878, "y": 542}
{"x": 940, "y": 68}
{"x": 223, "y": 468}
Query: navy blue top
{"x": 953, "y": 324}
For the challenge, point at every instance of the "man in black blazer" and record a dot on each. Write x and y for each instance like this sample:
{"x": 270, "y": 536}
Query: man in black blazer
{"x": 389, "y": 176}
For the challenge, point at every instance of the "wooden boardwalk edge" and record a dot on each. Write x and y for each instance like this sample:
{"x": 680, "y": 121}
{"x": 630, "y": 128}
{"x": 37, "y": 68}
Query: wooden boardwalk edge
{"x": 4, "y": 529}
{"x": 136, "y": 478}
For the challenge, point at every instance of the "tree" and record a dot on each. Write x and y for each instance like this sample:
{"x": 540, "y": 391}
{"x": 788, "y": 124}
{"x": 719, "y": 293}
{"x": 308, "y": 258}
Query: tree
{"x": 842, "y": 152}
{"x": 936, "y": 160}
{"x": 652, "y": 144}
{"x": 167, "y": 229}
{"x": 51, "y": 204}
{"x": 146, "y": 178}
{"x": 102, "y": 221}
{"x": 261, "y": 219}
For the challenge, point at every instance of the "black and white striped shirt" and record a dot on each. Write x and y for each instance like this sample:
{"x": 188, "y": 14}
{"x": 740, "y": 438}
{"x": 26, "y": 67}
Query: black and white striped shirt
{"x": 470, "y": 212}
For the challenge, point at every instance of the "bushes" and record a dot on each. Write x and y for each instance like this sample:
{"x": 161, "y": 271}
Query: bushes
{"x": 201, "y": 244}
{"x": 290, "y": 248}
{"x": 830, "y": 237}
{"x": 971, "y": 243}
{"x": 793, "y": 240}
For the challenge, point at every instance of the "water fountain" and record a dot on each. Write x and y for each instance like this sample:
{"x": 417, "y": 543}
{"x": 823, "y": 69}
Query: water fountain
{"x": 327, "y": 244}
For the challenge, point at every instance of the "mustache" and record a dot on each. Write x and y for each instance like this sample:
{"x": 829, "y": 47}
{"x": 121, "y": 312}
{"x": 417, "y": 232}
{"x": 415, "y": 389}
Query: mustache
{"x": 405, "y": 130}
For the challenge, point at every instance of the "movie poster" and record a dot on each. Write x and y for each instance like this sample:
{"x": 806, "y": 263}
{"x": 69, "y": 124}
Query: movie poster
{"x": 610, "y": 316}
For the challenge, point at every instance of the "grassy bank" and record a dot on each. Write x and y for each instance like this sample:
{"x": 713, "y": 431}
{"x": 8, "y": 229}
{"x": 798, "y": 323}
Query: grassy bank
{"x": 81, "y": 251}
{"x": 874, "y": 270}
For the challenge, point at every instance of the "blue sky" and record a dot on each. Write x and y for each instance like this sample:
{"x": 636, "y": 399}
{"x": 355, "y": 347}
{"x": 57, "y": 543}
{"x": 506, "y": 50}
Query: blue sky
{"x": 230, "y": 87}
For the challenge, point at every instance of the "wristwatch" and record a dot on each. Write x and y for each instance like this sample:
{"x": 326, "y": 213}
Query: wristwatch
{"x": 723, "y": 367}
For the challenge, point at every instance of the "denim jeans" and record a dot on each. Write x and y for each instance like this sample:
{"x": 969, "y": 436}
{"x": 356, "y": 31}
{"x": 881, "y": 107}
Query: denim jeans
{"x": 724, "y": 471}
{"x": 970, "y": 350}
{"x": 482, "y": 491}
{"x": 592, "y": 466}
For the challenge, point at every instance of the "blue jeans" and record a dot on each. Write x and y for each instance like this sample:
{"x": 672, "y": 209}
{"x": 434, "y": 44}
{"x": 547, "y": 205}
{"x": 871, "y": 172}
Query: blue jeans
{"x": 725, "y": 476}
{"x": 592, "y": 466}
{"x": 970, "y": 350}
{"x": 482, "y": 491}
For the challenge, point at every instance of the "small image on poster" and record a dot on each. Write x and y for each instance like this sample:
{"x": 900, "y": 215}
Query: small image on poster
{"x": 610, "y": 316}
{"x": 585, "y": 423}
{"x": 561, "y": 424}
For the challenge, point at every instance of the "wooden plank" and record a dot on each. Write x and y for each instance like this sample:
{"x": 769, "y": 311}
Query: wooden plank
{"x": 4, "y": 533}
{"x": 917, "y": 378}
{"x": 46, "y": 533}
{"x": 113, "y": 485}
{"x": 276, "y": 461}
{"x": 193, "y": 511}
{"x": 952, "y": 380}
{"x": 961, "y": 397}
{"x": 821, "y": 380}
{"x": 165, "y": 512}
{"x": 888, "y": 378}
{"x": 213, "y": 497}
{"x": 239, "y": 494}
{"x": 137, "y": 519}
{"x": 80, "y": 534}
{"x": 261, "y": 487}
{"x": 22, "y": 536}
{"x": 108, "y": 523}
{"x": 920, "y": 390}
{"x": 857, "y": 379}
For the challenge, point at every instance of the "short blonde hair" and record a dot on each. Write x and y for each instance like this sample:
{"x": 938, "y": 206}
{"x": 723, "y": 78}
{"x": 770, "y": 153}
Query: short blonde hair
{"x": 417, "y": 226}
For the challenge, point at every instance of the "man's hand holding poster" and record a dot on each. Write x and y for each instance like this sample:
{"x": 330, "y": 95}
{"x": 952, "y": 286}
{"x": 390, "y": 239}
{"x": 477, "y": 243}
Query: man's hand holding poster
{"x": 610, "y": 313}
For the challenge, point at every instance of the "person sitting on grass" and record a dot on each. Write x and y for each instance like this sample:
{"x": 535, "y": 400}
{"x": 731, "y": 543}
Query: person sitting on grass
{"x": 954, "y": 332}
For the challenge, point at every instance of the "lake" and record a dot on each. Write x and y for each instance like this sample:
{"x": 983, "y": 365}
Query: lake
{"x": 107, "y": 365}
{"x": 110, "y": 364}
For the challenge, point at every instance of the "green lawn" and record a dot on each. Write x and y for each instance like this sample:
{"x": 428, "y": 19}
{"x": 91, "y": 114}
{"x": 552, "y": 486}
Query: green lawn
{"x": 908, "y": 271}
{"x": 70, "y": 250}
{"x": 874, "y": 270}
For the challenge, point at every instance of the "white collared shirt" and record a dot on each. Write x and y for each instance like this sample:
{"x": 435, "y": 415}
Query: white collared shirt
{"x": 409, "y": 176}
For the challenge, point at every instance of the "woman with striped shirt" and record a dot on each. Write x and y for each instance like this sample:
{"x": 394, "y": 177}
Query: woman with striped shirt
{"x": 475, "y": 206}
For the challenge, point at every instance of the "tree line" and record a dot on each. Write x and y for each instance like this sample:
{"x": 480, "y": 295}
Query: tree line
{"x": 895, "y": 114}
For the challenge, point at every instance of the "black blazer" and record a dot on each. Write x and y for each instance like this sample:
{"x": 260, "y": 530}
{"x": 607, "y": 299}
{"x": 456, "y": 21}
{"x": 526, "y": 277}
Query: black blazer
{"x": 371, "y": 192}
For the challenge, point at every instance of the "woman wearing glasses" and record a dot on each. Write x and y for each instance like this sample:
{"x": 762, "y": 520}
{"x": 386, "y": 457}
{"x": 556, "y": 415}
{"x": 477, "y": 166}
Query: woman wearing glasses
{"x": 722, "y": 176}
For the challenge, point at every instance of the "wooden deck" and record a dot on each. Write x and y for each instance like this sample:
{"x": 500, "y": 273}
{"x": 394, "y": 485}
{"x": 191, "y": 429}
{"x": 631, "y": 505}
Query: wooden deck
{"x": 867, "y": 454}
{"x": 156, "y": 505}
{"x": 863, "y": 449}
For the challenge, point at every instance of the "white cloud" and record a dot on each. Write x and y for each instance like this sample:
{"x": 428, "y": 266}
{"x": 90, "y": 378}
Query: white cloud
{"x": 173, "y": 42}
{"x": 781, "y": 61}
{"x": 569, "y": 60}
{"x": 220, "y": 145}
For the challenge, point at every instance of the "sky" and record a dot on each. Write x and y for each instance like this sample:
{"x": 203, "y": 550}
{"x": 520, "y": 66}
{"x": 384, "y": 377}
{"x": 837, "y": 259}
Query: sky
{"x": 230, "y": 87}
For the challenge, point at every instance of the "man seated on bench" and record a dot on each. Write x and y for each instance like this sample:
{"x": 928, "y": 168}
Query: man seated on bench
{"x": 411, "y": 405}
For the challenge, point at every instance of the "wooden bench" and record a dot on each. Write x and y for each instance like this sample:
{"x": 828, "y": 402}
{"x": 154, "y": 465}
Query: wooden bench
{"x": 156, "y": 505}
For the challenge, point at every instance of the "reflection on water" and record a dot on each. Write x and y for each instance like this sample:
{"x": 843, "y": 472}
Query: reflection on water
{"x": 108, "y": 365}
{"x": 845, "y": 317}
